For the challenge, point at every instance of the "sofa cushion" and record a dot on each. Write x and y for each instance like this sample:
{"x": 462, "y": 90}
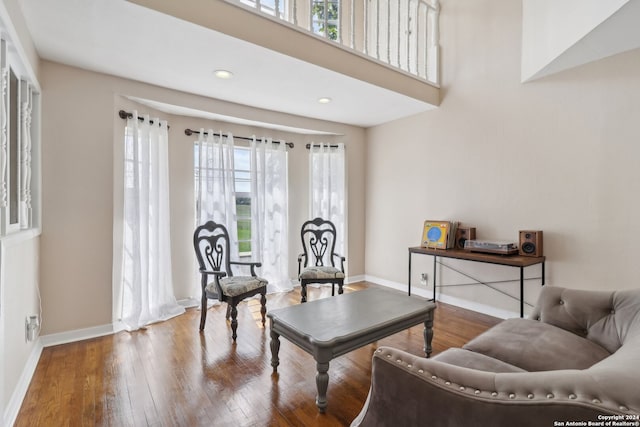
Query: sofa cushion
{"x": 469, "y": 359}
{"x": 536, "y": 346}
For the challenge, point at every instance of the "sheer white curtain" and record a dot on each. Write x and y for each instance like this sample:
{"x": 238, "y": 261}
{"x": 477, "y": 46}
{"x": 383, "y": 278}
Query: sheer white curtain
{"x": 327, "y": 187}
{"x": 215, "y": 183}
{"x": 146, "y": 285}
{"x": 269, "y": 212}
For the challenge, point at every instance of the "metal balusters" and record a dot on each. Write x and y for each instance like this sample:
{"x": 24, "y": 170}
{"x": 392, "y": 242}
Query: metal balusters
{"x": 407, "y": 30}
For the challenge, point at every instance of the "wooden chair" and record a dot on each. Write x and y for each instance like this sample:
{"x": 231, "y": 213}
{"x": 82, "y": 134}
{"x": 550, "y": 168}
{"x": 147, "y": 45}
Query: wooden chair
{"x": 317, "y": 264}
{"x": 211, "y": 243}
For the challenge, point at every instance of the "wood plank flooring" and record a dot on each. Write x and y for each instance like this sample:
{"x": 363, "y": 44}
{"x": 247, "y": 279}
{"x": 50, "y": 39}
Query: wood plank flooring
{"x": 171, "y": 375}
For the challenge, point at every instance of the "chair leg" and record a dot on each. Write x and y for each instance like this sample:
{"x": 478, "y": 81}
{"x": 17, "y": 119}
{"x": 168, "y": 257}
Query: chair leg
{"x": 333, "y": 289}
{"x": 203, "y": 311}
{"x": 303, "y": 292}
{"x": 340, "y": 290}
{"x": 263, "y": 309}
{"x": 234, "y": 319}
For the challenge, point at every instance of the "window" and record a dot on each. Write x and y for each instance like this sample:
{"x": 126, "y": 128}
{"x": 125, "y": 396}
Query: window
{"x": 242, "y": 188}
{"x": 242, "y": 165}
{"x": 325, "y": 16}
{"x": 16, "y": 109}
{"x": 275, "y": 8}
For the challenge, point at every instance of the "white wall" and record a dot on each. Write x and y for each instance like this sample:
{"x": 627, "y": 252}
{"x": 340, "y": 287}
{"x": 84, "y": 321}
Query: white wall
{"x": 19, "y": 271}
{"x": 560, "y": 154}
{"x": 80, "y": 133}
{"x": 19, "y": 274}
{"x": 550, "y": 28}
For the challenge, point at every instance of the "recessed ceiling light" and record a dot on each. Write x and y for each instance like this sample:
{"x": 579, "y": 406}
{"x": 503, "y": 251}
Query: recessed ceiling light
{"x": 223, "y": 74}
{"x": 324, "y": 100}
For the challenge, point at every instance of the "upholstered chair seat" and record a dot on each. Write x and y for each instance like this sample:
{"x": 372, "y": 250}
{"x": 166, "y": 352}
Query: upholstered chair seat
{"x": 312, "y": 273}
{"x": 237, "y": 285}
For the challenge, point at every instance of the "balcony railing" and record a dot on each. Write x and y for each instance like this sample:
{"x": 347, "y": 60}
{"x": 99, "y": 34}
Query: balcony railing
{"x": 400, "y": 33}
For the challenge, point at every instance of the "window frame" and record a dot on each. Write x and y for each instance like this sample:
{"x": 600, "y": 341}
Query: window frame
{"x": 19, "y": 114}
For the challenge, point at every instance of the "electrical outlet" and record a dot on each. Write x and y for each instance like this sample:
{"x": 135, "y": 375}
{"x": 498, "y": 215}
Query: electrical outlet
{"x": 31, "y": 328}
{"x": 424, "y": 278}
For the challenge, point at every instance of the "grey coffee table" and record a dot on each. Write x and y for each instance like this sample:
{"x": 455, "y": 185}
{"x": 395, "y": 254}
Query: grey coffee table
{"x": 331, "y": 327}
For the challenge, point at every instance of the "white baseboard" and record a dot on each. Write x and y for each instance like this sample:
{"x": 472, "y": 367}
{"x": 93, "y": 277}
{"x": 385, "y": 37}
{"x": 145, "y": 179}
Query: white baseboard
{"x": 20, "y": 391}
{"x": 78, "y": 335}
{"x": 355, "y": 279}
{"x": 459, "y": 302}
{"x": 189, "y": 302}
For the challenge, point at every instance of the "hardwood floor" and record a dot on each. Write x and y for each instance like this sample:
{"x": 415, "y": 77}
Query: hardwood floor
{"x": 171, "y": 375}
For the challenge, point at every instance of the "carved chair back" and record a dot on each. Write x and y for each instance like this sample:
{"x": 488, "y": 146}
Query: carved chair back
{"x": 211, "y": 242}
{"x": 318, "y": 242}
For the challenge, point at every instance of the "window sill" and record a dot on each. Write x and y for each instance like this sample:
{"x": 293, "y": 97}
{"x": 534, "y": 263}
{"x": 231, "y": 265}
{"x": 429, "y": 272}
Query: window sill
{"x": 18, "y": 237}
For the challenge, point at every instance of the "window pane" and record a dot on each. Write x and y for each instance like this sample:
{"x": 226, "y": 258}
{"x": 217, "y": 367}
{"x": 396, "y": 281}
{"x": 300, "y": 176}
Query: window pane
{"x": 242, "y": 172}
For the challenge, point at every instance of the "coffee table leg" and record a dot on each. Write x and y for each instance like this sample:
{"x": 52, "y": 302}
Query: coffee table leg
{"x": 322, "y": 382}
{"x": 275, "y": 348}
{"x": 428, "y": 334}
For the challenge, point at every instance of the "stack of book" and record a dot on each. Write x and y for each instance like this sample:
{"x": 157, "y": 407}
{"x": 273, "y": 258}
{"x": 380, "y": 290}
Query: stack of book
{"x": 439, "y": 234}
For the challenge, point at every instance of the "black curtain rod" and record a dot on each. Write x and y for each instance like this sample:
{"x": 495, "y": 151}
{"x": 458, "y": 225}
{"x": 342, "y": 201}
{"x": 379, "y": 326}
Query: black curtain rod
{"x": 330, "y": 146}
{"x": 125, "y": 115}
{"x": 190, "y": 132}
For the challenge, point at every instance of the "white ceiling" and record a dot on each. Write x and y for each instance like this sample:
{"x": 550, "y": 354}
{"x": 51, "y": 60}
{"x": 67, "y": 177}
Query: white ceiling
{"x": 126, "y": 40}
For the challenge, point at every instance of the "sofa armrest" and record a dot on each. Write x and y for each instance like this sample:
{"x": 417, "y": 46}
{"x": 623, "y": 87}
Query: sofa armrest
{"x": 411, "y": 390}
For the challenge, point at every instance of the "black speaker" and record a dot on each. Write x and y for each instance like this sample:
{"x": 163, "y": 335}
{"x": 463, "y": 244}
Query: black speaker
{"x": 463, "y": 234}
{"x": 530, "y": 243}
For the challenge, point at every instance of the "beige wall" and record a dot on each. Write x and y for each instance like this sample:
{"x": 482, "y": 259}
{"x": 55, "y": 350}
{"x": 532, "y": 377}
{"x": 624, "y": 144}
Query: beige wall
{"x": 80, "y": 129}
{"x": 560, "y": 154}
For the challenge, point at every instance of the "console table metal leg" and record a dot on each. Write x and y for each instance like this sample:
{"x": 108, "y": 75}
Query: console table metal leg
{"x": 322, "y": 383}
{"x": 275, "y": 349}
{"x": 409, "y": 281}
{"x": 435, "y": 262}
{"x": 428, "y": 334}
{"x": 521, "y": 291}
{"x": 542, "y": 273}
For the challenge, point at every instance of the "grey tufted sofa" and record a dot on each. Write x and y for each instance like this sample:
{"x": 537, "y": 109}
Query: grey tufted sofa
{"x": 576, "y": 359}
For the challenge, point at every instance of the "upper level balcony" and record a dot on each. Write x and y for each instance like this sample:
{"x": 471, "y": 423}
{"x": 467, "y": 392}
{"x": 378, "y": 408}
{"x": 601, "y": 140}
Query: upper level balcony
{"x": 391, "y": 45}
{"x": 400, "y": 33}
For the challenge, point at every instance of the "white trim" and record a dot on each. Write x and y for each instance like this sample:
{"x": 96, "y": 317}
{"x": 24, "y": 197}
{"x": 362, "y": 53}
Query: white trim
{"x": 459, "y": 302}
{"x": 79, "y": 335}
{"x": 20, "y": 391}
{"x": 189, "y": 302}
{"x": 354, "y": 279}
{"x": 20, "y": 236}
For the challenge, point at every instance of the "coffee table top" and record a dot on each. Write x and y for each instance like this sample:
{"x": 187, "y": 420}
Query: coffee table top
{"x": 328, "y": 321}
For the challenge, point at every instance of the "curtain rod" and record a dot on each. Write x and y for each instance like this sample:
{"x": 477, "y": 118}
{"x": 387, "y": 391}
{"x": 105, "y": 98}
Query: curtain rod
{"x": 126, "y": 115}
{"x": 330, "y": 146}
{"x": 190, "y": 132}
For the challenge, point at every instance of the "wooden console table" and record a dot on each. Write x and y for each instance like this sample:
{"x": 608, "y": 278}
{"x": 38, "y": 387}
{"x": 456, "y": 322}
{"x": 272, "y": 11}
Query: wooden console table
{"x": 507, "y": 260}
